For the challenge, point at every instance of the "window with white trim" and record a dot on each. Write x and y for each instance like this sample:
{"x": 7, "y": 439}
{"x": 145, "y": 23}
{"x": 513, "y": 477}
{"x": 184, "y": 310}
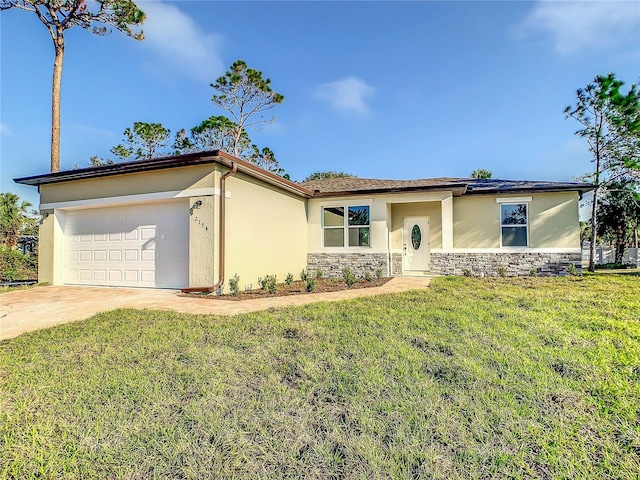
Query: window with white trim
{"x": 514, "y": 225}
{"x": 351, "y": 229}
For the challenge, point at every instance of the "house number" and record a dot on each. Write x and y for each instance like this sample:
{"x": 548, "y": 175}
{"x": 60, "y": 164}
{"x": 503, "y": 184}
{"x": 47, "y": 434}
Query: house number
{"x": 201, "y": 223}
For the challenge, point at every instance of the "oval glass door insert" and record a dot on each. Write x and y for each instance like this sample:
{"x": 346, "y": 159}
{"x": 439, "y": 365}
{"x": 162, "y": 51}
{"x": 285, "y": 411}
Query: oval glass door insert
{"x": 416, "y": 237}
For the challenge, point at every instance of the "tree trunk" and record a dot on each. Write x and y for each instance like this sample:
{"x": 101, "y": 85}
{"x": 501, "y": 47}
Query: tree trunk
{"x": 594, "y": 225}
{"x": 55, "y": 103}
{"x": 620, "y": 243}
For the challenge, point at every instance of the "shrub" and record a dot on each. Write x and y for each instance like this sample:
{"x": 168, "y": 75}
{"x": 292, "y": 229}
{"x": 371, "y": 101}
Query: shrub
{"x": 502, "y": 271}
{"x": 572, "y": 270}
{"x": 271, "y": 283}
{"x": 614, "y": 266}
{"x": 234, "y": 285}
{"x": 16, "y": 266}
{"x": 466, "y": 272}
{"x": 348, "y": 276}
{"x": 533, "y": 272}
{"x": 289, "y": 279}
{"x": 318, "y": 273}
{"x": 378, "y": 273}
{"x": 368, "y": 277}
{"x": 303, "y": 275}
{"x": 310, "y": 285}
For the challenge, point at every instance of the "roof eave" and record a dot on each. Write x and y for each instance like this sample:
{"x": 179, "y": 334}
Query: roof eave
{"x": 457, "y": 189}
{"x": 138, "y": 166}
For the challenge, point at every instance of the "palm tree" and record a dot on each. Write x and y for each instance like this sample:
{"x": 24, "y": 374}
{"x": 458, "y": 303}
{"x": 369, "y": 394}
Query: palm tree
{"x": 14, "y": 218}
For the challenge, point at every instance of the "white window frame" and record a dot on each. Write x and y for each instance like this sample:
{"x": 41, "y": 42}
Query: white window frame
{"x": 515, "y": 201}
{"x": 345, "y": 227}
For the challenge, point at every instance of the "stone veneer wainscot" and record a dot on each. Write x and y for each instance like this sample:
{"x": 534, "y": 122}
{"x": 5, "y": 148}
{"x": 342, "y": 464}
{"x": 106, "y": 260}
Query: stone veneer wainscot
{"x": 331, "y": 264}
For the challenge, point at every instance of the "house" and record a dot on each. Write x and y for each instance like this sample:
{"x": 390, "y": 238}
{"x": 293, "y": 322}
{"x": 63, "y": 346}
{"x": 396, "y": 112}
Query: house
{"x": 192, "y": 221}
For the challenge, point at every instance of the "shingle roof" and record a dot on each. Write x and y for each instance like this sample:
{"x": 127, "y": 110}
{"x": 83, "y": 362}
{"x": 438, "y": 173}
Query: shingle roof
{"x": 467, "y": 186}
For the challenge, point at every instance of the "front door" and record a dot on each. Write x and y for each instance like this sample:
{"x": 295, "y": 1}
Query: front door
{"x": 415, "y": 244}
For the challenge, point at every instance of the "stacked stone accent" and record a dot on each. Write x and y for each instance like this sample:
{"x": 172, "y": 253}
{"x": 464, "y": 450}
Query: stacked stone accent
{"x": 504, "y": 264}
{"x": 474, "y": 264}
{"x": 396, "y": 264}
{"x": 332, "y": 264}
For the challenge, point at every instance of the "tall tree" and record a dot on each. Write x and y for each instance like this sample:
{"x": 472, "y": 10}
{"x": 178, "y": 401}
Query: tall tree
{"x": 59, "y": 16}
{"x": 245, "y": 95}
{"x": 219, "y": 133}
{"x": 265, "y": 159}
{"x": 14, "y": 218}
{"x": 610, "y": 122}
{"x": 321, "y": 175}
{"x": 619, "y": 215}
{"x": 482, "y": 173}
{"x": 214, "y": 133}
{"x": 144, "y": 140}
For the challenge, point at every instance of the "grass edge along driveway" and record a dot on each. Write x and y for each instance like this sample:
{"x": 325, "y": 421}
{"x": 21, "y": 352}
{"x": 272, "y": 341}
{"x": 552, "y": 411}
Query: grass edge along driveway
{"x": 518, "y": 378}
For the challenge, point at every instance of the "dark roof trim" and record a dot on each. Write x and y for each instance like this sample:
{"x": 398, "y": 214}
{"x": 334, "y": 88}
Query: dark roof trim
{"x": 458, "y": 190}
{"x": 187, "y": 160}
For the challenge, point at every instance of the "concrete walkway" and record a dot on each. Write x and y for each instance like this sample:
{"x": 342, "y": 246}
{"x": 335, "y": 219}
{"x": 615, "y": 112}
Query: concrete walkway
{"x": 41, "y": 307}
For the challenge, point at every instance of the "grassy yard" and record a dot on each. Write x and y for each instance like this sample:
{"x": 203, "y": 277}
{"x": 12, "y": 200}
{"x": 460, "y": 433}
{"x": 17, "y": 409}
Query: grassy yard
{"x": 473, "y": 378}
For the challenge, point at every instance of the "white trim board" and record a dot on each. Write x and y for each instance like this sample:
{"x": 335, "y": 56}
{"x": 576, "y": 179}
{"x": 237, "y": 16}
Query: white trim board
{"x": 129, "y": 199}
{"x": 514, "y": 199}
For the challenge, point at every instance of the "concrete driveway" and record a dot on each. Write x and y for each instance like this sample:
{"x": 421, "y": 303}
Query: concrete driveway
{"x": 41, "y": 307}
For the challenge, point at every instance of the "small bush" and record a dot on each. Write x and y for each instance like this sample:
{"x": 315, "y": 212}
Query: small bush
{"x": 262, "y": 283}
{"x": 318, "y": 273}
{"x": 271, "y": 283}
{"x": 533, "y": 272}
{"x": 310, "y": 285}
{"x": 234, "y": 285}
{"x": 466, "y": 272}
{"x": 502, "y": 271}
{"x": 303, "y": 275}
{"x": 572, "y": 270}
{"x": 248, "y": 287}
{"x": 368, "y": 277}
{"x": 348, "y": 276}
{"x": 289, "y": 279}
{"x": 378, "y": 273}
{"x": 16, "y": 266}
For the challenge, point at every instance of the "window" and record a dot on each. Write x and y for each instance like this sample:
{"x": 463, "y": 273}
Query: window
{"x": 513, "y": 222}
{"x": 351, "y": 229}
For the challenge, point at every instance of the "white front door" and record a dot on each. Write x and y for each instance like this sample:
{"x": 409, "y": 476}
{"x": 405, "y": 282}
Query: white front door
{"x": 415, "y": 244}
{"x": 144, "y": 245}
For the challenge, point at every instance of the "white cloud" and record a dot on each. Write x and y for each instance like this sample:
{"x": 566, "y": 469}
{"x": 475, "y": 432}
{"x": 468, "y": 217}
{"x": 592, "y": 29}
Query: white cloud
{"x": 180, "y": 43}
{"x": 576, "y": 26}
{"x": 348, "y": 95}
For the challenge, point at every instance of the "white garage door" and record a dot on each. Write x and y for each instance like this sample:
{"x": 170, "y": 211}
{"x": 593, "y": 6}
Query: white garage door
{"x": 134, "y": 246}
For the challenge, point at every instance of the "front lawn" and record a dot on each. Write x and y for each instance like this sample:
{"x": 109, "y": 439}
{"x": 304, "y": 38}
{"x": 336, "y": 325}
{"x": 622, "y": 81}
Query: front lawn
{"x": 472, "y": 378}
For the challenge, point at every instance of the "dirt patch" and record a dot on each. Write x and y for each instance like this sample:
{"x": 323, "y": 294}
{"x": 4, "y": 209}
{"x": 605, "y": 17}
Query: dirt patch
{"x": 323, "y": 285}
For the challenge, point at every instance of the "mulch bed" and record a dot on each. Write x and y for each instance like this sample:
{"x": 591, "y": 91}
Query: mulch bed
{"x": 296, "y": 288}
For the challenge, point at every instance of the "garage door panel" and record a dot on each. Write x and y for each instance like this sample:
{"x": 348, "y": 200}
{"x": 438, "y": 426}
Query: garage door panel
{"x": 135, "y": 245}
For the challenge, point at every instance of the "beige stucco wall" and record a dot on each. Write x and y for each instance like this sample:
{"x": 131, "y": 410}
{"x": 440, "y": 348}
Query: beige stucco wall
{"x": 266, "y": 231}
{"x": 553, "y": 221}
{"x": 203, "y": 238}
{"x": 46, "y": 249}
{"x": 386, "y": 219}
{"x": 423, "y": 209}
{"x": 168, "y": 180}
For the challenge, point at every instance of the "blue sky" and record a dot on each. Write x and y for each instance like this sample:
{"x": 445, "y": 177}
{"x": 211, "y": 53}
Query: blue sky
{"x": 377, "y": 89}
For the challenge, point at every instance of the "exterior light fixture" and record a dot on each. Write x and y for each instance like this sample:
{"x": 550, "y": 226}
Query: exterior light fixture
{"x": 197, "y": 204}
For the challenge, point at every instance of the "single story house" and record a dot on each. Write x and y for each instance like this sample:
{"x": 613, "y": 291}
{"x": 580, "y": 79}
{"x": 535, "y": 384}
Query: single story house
{"x": 193, "y": 221}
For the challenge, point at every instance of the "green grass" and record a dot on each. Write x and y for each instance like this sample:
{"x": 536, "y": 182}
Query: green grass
{"x": 472, "y": 378}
